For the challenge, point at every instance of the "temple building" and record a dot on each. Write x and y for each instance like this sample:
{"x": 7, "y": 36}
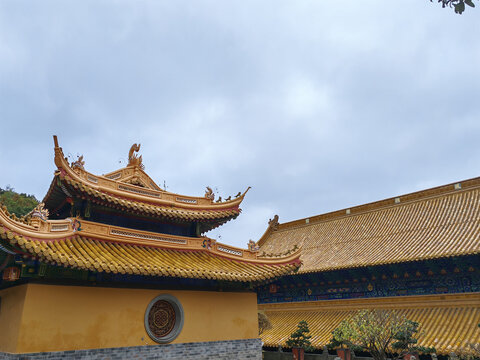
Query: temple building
{"x": 111, "y": 266}
{"x": 417, "y": 254}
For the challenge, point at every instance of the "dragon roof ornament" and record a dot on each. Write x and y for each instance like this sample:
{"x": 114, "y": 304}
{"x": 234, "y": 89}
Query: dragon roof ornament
{"x": 40, "y": 212}
{"x": 273, "y": 223}
{"x": 133, "y": 159}
{"x": 79, "y": 163}
{"x": 209, "y": 193}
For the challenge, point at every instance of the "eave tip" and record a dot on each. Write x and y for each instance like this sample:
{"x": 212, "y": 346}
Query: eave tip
{"x": 55, "y": 140}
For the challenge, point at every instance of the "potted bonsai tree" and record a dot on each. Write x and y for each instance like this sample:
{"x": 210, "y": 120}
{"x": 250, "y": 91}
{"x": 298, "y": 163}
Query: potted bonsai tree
{"x": 406, "y": 342}
{"x": 377, "y": 331}
{"x": 339, "y": 343}
{"x": 299, "y": 341}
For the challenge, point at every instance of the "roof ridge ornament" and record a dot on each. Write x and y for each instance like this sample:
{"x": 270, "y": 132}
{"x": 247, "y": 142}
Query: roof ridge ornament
{"x": 252, "y": 246}
{"x": 209, "y": 193}
{"x": 40, "y": 212}
{"x": 79, "y": 163}
{"x": 135, "y": 160}
{"x": 273, "y": 223}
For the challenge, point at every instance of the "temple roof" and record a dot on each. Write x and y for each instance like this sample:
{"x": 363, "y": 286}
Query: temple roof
{"x": 131, "y": 189}
{"x": 80, "y": 244}
{"x": 448, "y": 322}
{"x": 434, "y": 223}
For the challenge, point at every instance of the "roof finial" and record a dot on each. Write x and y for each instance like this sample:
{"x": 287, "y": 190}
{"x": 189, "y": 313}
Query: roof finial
{"x": 79, "y": 163}
{"x": 135, "y": 160}
{"x": 273, "y": 223}
{"x": 40, "y": 212}
{"x": 209, "y": 194}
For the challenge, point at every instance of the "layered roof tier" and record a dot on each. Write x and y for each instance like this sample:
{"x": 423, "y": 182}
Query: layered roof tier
{"x": 435, "y": 223}
{"x": 447, "y": 322}
{"x": 132, "y": 191}
{"x": 124, "y": 223}
{"x": 86, "y": 245}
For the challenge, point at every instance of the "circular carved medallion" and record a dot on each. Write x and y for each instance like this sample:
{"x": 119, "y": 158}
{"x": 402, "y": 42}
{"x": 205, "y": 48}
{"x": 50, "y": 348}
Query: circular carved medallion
{"x": 164, "y": 318}
{"x": 161, "y": 318}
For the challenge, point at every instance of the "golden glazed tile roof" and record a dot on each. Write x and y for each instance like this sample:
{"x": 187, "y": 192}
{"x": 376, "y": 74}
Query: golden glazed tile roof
{"x": 103, "y": 248}
{"x": 151, "y": 209}
{"x": 101, "y": 256}
{"x": 448, "y": 322}
{"x": 131, "y": 188}
{"x": 439, "y": 222}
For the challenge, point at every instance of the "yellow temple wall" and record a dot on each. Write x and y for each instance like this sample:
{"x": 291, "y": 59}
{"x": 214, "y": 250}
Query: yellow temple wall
{"x": 57, "y": 318}
{"x": 11, "y": 308}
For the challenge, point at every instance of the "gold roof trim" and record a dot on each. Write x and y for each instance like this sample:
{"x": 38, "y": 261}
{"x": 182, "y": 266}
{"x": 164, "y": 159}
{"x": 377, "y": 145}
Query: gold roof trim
{"x": 113, "y": 184}
{"x": 449, "y": 322}
{"x": 149, "y": 209}
{"x": 84, "y": 253}
{"x": 422, "y": 195}
{"x": 391, "y": 302}
{"x": 57, "y": 230}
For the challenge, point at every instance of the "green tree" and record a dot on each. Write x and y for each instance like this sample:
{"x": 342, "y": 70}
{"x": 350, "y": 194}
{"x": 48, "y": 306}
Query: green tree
{"x": 300, "y": 337}
{"x": 471, "y": 351}
{"x": 457, "y": 5}
{"x": 263, "y": 323}
{"x": 377, "y": 331}
{"x": 406, "y": 340}
{"x": 18, "y": 204}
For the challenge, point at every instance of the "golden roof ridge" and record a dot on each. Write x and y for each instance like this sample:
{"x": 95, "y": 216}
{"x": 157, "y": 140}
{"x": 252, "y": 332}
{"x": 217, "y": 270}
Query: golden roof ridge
{"x": 135, "y": 192}
{"x": 401, "y": 200}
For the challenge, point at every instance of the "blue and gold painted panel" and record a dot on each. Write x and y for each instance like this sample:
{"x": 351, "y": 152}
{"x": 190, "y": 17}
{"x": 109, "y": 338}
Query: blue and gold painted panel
{"x": 457, "y": 275}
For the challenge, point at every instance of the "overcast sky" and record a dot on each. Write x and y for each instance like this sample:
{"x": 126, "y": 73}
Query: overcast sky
{"x": 318, "y": 105}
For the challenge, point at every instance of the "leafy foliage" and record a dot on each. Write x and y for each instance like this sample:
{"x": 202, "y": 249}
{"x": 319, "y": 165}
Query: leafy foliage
{"x": 471, "y": 351}
{"x": 475, "y": 348}
{"x": 18, "y": 204}
{"x": 376, "y": 331}
{"x": 263, "y": 323}
{"x": 300, "y": 337}
{"x": 406, "y": 342}
{"x": 458, "y": 5}
{"x": 339, "y": 336}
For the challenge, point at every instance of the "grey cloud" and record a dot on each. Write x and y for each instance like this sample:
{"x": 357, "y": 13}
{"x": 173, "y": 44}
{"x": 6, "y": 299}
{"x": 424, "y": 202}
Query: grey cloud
{"x": 317, "y": 105}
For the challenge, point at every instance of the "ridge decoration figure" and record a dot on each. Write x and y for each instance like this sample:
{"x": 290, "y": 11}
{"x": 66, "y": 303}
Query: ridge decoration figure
{"x": 208, "y": 244}
{"x": 40, "y": 212}
{"x": 133, "y": 159}
{"x": 273, "y": 223}
{"x": 252, "y": 246}
{"x": 79, "y": 163}
{"x": 209, "y": 194}
{"x": 76, "y": 225}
